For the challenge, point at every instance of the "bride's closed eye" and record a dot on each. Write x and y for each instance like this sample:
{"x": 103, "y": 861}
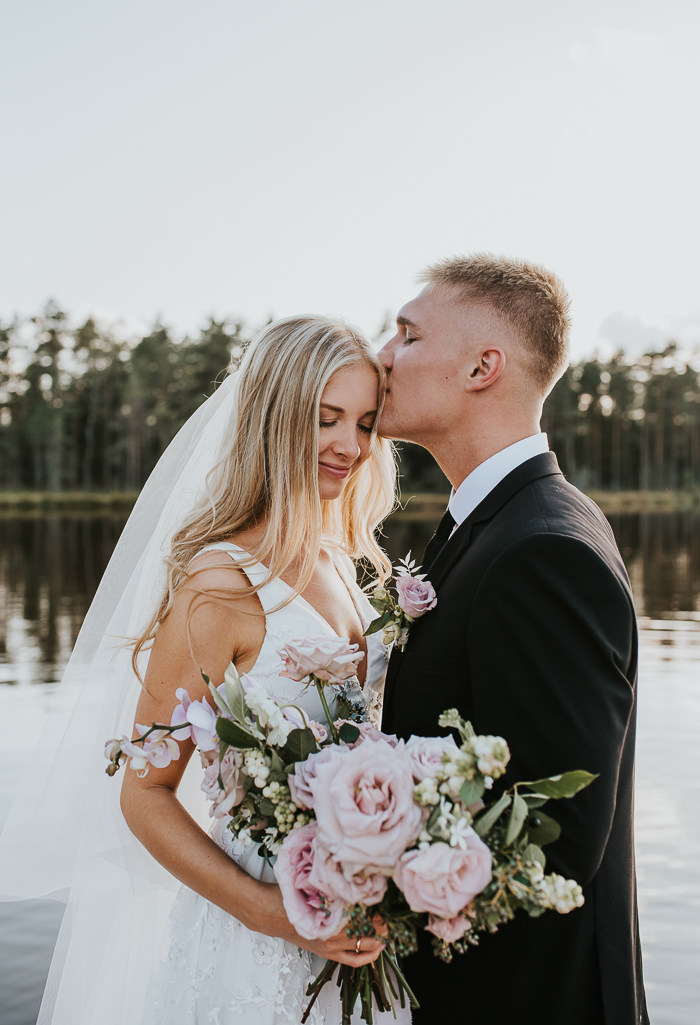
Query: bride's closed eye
{"x": 333, "y": 423}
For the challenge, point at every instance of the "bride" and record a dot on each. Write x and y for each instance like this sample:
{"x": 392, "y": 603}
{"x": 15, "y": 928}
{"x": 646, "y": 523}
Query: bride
{"x": 257, "y": 515}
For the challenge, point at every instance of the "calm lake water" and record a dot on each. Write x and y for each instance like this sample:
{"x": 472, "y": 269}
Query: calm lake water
{"x": 51, "y": 565}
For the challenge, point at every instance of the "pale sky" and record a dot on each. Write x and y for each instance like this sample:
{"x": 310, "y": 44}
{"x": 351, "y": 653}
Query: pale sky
{"x": 172, "y": 158}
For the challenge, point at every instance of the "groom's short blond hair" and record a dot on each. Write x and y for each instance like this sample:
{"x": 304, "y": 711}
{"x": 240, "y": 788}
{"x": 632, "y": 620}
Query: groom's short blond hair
{"x": 528, "y": 296}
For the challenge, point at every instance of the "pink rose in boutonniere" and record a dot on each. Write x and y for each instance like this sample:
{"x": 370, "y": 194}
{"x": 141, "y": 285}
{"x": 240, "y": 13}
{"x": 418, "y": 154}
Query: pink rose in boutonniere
{"x": 416, "y": 596}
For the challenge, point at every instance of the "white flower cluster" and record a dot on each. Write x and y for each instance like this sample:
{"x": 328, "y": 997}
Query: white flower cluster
{"x": 457, "y": 767}
{"x": 491, "y": 754}
{"x": 257, "y": 766}
{"x": 562, "y": 895}
{"x": 287, "y": 815}
{"x": 426, "y": 792}
{"x": 453, "y": 825}
{"x": 269, "y": 714}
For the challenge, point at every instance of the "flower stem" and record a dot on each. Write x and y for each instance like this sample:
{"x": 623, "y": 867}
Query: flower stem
{"x": 322, "y": 694}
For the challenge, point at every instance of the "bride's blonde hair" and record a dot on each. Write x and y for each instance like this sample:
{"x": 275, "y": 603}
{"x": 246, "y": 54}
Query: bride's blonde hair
{"x": 268, "y": 470}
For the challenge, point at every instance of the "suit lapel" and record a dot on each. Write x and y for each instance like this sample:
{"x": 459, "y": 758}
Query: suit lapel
{"x": 544, "y": 465}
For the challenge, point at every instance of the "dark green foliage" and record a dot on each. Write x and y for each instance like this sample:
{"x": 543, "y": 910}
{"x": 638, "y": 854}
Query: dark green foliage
{"x": 81, "y": 409}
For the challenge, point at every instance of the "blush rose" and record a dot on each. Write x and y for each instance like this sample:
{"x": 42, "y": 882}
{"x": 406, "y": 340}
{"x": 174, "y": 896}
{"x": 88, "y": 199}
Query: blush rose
{"x": 443, "y": 880}
{"x": 363, "y": 799}
{"x": 416, "y": 597}
{"x": 312, "y": 915}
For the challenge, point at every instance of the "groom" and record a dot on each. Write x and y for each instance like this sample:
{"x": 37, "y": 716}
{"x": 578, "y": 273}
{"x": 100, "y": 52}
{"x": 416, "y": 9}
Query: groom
{"x": 533, "y": 637}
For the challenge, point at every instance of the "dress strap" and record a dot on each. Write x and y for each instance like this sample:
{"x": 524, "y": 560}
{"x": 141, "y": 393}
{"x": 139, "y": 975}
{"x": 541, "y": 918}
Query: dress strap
{"x": 270, "y": 594}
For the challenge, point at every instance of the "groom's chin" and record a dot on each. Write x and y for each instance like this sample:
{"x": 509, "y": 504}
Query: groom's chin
{"x": 388, "y": 429}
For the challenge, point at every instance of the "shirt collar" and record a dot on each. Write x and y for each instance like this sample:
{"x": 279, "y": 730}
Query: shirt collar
{"x": 482, "y": 480}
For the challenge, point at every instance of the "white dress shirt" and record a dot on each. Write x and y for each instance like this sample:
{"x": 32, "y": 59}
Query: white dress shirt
{"x": 482, "y": 480}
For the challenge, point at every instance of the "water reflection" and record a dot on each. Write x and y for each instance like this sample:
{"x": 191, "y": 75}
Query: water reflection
{"x": 50, "y": 567}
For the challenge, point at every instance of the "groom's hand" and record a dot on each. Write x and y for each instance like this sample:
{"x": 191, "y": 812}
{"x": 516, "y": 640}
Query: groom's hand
{"x": 267, "y": 915}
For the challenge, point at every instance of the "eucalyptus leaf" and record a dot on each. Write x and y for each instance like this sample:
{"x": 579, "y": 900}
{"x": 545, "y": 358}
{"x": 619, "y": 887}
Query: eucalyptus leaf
{"x": 485, "y": 821}
{"x": 379, "y": 623}
{"x": 348, "y": 733}
{"x": 233, "y": 734}
{"x": 300, "y": 744}
{"x": 541, "y": 829}
{"x": 221, "y": 703}
{"x": 566, "y": 784}
{"x": 518, "y": 814}
{"x": 534, "y": 853}
{"x": 472, "y": 789}
{"x": 235, "y": 695}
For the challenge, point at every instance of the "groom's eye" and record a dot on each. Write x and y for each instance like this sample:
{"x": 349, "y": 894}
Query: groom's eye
{"x": 408, "y": 340}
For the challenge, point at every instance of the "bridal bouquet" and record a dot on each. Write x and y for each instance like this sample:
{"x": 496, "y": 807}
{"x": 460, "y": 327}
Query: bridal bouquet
{"x": 362, "y": 826}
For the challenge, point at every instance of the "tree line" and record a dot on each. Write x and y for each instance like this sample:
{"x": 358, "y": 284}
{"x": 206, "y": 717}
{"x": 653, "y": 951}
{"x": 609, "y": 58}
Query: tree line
{"x": 87, "y": 409}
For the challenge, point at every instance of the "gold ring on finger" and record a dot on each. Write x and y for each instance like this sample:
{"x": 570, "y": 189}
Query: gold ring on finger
{"x": 357, "y": 945}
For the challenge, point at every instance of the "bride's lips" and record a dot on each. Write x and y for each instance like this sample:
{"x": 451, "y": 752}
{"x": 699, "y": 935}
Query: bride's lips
{"x": 340, "y": 472}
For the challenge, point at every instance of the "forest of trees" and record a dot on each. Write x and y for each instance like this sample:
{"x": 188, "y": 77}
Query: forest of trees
{"x": 85, "y": 409}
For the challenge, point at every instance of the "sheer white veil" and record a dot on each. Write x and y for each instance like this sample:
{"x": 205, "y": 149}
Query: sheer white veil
{"x": 66, "y": 837}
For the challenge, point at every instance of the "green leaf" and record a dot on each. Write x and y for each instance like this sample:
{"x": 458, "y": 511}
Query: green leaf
{"x": 379, "y": 623}
{"x": 235, "y": 695}
{"x": 541, "y": 829}
{"x": 534, "y": 853}
{"x": 487, "y": 819}
{"x": 348, "y": 733}
{"x": 300, "y": 744}
{"x": 234, "y": 735}
{"x": 534, "y": 800}
{"x": 518, "y": 814}
{"x": 566, "y": 784}
{"x": 220, "y": 702}
{"x": 223, "y": 748}
{"x": 472, "y": 789}
{"x": 266, "y": 807}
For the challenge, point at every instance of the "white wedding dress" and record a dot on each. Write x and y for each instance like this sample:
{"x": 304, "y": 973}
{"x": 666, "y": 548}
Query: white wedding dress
{"x": 214, "y": 970}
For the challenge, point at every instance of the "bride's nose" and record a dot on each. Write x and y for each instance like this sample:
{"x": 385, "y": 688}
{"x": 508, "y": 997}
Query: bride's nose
{"x": 347, "y": 445}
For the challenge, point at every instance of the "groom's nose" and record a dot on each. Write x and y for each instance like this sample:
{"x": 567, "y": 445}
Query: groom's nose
{"x": 386, "y": 353}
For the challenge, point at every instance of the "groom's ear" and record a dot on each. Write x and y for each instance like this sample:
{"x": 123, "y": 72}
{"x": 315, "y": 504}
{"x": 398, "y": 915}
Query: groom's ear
{"x": 486, "y": 369}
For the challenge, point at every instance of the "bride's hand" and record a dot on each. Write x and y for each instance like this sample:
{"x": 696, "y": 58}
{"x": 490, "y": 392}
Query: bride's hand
{"x": 270, "y": 918}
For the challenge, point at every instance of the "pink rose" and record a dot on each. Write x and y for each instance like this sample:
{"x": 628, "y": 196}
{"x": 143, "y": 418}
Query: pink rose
{"x": 449, "y": 929}
{"x": 426, "y": 754}
{"x": 233, "y": 793}
{"x": 312, "y": 915}
{"x": 416, "y": 597}
{"x": 363, "y": 799}
{"x": 299, "y": 781}
{"x": 333, "y": 659}
{"x": 443, "y": 880}
{"x": 328, "y": 877}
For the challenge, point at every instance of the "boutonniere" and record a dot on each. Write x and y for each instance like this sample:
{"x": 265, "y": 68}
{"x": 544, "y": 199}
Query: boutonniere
{"x": 415, "y": 597}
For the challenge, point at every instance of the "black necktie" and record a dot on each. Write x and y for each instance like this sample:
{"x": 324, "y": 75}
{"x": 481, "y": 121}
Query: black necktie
{"x": 434, "y": 546}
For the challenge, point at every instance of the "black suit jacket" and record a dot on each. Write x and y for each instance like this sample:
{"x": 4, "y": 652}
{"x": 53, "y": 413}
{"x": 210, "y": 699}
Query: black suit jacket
{"x": 534, "y": 639}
